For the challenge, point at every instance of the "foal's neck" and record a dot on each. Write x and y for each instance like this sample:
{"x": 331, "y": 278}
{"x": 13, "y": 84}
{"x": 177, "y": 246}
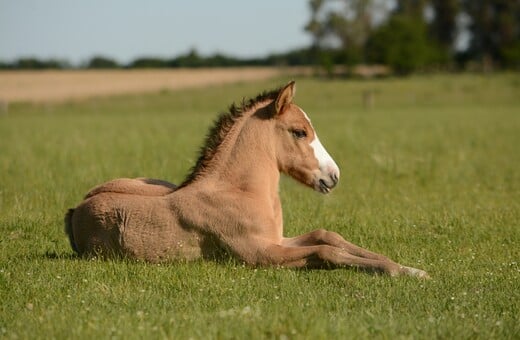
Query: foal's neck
{"x": 246, "y": 160}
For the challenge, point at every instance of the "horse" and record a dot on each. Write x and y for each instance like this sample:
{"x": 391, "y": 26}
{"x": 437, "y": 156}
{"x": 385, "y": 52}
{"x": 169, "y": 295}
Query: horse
{"x": 229, "y": 202}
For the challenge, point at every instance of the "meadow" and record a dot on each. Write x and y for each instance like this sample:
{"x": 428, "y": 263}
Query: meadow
{"x": 430, "y": 178}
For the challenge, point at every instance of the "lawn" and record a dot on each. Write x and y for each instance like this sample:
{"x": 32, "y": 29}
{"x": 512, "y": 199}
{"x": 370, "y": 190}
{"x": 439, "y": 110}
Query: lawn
{"x": 430, "y": 177}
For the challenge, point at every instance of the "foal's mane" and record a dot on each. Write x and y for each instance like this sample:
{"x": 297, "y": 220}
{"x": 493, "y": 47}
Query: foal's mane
{"x": 221, "y": 127}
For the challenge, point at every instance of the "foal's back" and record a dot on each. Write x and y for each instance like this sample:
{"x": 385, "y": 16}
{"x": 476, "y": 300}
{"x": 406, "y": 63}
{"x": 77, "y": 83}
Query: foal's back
{"x": 134, "y": 186}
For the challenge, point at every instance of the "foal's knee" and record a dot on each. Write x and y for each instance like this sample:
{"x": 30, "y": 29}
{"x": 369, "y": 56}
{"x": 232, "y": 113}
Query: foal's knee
{"x": 325, "y": 236}
{"x": 320, "y": 235}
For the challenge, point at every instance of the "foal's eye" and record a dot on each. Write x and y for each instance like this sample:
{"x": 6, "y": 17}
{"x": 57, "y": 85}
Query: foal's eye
{"x": 299, "y": 134}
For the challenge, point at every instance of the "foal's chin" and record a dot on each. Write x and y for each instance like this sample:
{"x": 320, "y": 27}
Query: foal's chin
{"x": 323, "y": 184}
{"x": 319, "y": 187}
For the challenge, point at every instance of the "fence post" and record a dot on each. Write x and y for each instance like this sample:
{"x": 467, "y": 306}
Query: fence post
{"x": 368, "y": 99}
{"x": 4, "y": 107}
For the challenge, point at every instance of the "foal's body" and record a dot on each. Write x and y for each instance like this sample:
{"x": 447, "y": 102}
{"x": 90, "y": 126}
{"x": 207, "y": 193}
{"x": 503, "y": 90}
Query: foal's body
{"x": 230, "y": 201}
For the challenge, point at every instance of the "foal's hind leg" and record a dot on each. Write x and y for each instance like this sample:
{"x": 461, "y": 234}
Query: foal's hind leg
{"x": 304, "y": 256}
{"x": 322, "y": 236}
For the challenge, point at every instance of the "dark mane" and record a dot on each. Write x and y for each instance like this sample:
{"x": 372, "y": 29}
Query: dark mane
{"x": 220, "y": 129}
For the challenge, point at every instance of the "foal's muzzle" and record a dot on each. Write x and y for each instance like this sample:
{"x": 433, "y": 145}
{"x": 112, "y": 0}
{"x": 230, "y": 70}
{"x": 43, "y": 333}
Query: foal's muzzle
{"x": 326, "y": 181}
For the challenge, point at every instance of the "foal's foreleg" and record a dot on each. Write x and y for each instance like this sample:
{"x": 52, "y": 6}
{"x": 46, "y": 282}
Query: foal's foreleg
{"x": 302, "y": 256}
{"x": 324, "y": 237}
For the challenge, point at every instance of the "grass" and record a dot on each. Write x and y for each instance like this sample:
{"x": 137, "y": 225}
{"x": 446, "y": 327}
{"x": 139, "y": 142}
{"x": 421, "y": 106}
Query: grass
{"x": 429, "y": 177}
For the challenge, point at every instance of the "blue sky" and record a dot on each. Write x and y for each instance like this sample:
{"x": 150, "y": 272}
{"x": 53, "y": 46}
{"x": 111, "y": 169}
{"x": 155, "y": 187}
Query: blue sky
{"x": 77, "y": 30}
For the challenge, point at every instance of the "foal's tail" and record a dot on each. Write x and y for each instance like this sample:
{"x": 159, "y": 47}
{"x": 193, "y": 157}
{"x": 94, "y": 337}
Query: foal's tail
{"x": 68, "y": 229}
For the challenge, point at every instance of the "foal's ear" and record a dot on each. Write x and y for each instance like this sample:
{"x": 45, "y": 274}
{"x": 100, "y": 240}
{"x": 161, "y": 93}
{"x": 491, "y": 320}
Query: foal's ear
{"x": 285, "y": 97}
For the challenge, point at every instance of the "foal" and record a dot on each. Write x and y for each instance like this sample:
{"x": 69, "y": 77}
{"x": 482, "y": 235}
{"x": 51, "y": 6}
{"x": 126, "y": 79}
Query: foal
{"x": 229, "y": 201}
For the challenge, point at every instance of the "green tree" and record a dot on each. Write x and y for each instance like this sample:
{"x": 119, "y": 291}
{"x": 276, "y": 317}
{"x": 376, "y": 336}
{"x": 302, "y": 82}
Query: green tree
{"x": 401, "y": 43}
{"x": 38, "y": 64}
{"x": 495, "y": 31}
{"x": 191, "y": 59}
{"x": 411, "y": 8}
{"x": 100, "y": 62}
{"x": 148, "y": 63}
{"x": 444, "y": 26}
{"x": 340, "y": 29}
{"x": 315, "y": 27}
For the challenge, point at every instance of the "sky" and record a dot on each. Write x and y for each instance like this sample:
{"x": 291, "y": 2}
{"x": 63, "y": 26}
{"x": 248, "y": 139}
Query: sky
{"x": 124, "y": 30}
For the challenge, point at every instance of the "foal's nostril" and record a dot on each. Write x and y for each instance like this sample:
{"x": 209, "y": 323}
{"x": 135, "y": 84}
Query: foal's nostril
{"x": 335, "y": 178}
{"x": 324, "y": 187}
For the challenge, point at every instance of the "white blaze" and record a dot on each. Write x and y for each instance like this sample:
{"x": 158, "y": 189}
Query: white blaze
{"x": 325, "y": 161}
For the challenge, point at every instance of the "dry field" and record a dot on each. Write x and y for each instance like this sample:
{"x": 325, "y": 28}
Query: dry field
{"x": 45, "y": 86}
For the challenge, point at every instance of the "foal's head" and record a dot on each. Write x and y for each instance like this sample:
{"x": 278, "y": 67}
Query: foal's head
{"x": 298, "y": 150}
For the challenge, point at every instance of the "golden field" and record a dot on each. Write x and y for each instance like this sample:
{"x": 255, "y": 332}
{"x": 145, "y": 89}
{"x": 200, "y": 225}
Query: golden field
{"x": 57, "y": 85}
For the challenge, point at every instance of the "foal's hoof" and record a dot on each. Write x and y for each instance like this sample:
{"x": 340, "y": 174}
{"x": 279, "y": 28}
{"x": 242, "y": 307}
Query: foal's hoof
{"x": 421, "y": 274}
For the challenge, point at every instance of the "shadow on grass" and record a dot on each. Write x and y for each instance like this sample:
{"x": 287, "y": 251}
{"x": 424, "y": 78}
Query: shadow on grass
{"x": 222, "y": 259}
{"x": 53, "y": 255}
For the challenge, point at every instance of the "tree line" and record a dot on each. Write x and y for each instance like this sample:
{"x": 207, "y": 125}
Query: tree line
{"x": 192, "y": 59}
{"x": 411, "y": 35}
{"x": 404, "y": 35}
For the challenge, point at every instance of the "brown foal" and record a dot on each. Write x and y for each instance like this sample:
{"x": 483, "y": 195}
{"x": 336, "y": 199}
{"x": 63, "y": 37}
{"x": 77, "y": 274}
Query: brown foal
{"x": 229, "y": 202}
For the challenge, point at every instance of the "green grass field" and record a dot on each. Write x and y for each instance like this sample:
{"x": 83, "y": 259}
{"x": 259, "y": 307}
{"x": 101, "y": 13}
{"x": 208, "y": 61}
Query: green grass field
{"x": 430, "y": 177}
